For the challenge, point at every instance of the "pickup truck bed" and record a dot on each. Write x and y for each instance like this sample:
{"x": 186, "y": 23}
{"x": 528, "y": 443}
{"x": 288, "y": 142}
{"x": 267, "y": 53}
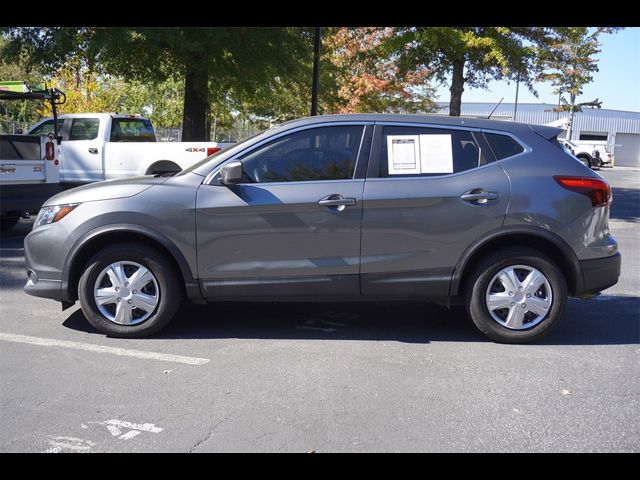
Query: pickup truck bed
{"x": 26, "y": 178}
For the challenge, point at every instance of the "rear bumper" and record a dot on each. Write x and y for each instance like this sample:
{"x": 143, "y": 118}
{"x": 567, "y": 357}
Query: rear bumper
{"x": 600, "y": 273}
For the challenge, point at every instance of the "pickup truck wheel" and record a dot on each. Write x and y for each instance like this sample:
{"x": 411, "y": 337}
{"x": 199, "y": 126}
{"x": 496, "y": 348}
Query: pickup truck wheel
{"x": 8, "y": 222}
{"x": 162, "y": 167}
{"x": 586, "y": 160}
{"x": 516, "y": 295}
{"x": 129, "y": 290}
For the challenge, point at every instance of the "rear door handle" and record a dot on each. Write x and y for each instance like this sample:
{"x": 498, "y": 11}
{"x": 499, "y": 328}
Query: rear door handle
{"x": 479, "y": 197}
{"x": 336, "y": 200}
{"x": 93, "y": 150}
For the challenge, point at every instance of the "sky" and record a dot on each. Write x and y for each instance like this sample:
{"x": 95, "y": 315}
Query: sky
{"x": 617, "y": 83}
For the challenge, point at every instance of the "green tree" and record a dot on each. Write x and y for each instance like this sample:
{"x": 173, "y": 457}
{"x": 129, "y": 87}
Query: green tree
{"x": 25, "y": 111}
{"x": 569, "y": 63}
{"x": 214, "y": 63}
{"x": 470, "y": 55}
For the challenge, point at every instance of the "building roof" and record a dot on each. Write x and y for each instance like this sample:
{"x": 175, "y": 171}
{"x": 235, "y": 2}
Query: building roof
{"x": 589, "y": 120}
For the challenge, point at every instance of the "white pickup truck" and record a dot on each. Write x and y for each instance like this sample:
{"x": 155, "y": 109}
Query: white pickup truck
{"x": 591, "y": 153}
{"x": 104, "y": 146}
{"x": 29, "y": 164}
{"x": 29, "y": 175}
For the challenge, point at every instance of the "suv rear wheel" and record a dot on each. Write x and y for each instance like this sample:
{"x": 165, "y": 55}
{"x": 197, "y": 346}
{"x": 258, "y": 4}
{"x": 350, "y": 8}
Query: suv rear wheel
{"x": 129, "y": 290}
{"x": 516, "y": 295}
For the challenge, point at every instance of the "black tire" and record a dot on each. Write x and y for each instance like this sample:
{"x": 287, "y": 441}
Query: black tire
{"x": 8, "y": 222}
{"x": 162, "y": 269}
{"x": 478, "y": 285}
{"x": 586, "y": 160}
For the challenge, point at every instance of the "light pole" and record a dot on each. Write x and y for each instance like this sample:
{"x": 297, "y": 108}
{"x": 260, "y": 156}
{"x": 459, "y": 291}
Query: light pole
{"x": 515, "y": 107}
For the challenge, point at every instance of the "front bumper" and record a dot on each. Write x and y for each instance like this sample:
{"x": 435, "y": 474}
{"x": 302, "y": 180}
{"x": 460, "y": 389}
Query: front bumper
{"x": 44, "y": 275}
{"x": 43, "y": 288}
{"x": 600, "y": 273}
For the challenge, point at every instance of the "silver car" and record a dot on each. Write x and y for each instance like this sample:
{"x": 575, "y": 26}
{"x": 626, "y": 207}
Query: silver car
{"x": 492, "y": 215}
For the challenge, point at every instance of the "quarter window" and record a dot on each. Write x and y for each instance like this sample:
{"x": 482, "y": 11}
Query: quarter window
{"x": 84, "y": 129}
{"x": 324, "y": 153}
{"x": 503, "y": 146}
{"x": 419, "y": 151}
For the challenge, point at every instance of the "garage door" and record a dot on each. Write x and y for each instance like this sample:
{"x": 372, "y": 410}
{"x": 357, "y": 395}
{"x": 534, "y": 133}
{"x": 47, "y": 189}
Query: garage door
{"x": 627, "y": 151}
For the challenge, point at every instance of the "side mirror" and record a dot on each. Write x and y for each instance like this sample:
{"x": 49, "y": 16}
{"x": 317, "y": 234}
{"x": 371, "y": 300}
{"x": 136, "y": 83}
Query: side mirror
{"x": 231, "y": 173}
{"x": 19, "y": 131}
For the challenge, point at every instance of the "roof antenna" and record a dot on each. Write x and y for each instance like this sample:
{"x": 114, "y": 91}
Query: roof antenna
{"x": 494, "y": 108}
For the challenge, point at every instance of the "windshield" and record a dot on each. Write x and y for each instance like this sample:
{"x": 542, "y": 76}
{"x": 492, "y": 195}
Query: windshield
{"x": 216, "y": 154}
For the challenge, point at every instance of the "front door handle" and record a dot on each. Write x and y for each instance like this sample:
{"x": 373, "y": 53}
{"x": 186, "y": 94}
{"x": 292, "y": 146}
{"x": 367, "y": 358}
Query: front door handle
{"x": 337, "y": 200}
{"x": 479, "y": 196}
{"x": 93, "y": 150}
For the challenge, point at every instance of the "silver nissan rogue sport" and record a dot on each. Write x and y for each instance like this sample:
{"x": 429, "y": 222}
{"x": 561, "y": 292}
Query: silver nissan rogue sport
{"x": 493, "y": 215}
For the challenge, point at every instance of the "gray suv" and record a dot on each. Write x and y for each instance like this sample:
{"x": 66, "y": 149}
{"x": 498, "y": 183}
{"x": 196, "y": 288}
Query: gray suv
{"x": 492, "y": 215}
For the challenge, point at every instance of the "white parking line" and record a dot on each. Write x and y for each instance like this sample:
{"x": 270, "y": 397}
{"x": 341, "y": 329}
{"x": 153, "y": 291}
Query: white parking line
{"x": 50, "y": 342}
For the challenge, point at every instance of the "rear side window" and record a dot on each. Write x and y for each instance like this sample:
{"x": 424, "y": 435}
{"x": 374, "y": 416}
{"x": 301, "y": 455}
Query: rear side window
{"x": 84, "y": 128}
{"x": 46, "y": 128}
{"x": 419, "y": 151}
{"x": 503, "y": 146}
{"x": 131, "y": 130}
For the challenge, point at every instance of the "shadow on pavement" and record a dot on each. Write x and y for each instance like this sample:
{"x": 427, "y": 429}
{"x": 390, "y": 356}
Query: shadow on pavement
{"x": 585, "y": 322}
{"x": 626, "y": 204}
{"x": 13, "y": 273}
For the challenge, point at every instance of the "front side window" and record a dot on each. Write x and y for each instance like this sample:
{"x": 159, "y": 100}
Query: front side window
{"x": 84, "y": 129}
{"x": 323, "y": 153}
{"x": 420, "y": 151}
{"x": 46, "y": 128}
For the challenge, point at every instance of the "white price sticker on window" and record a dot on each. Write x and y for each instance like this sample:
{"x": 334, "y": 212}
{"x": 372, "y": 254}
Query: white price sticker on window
{"x": 436, "y": 154}
{"x": 416, "y": 154}
{"x": 403, "y": 154}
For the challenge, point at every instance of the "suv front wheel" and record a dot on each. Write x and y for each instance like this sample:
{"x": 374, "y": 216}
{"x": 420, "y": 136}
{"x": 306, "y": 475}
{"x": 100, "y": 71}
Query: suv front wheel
{"x": 129, "y": 290}
{"x": 516, "y": 295}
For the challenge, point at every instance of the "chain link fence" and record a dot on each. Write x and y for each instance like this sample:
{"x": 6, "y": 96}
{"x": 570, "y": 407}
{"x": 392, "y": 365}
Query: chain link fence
{"x": 174, "y": 134}
{"x": 13, "y": 127}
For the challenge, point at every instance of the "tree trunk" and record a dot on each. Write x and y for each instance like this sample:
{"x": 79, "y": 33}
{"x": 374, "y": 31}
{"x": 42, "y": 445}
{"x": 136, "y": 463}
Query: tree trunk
{"x": 572, "y": 105}
{"x": 457, "y": 87}
{"x": 196, "y": 96}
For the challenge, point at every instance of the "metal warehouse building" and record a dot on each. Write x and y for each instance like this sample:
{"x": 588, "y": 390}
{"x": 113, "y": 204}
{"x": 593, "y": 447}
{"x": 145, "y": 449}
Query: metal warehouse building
{"x": 621, "y": 129}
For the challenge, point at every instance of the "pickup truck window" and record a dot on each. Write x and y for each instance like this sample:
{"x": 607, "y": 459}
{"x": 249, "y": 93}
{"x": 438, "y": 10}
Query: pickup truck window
{"x": 84, "y": 129}
{"x": 45, "y": 128}
{"x": 131, "y": 130}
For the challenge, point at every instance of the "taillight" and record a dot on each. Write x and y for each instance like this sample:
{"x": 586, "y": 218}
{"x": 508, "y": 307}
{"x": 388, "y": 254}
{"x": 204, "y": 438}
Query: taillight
{"x": 597, "y": 190}
{"x": 212, "y": 150}
{"x": 49, "y": 150}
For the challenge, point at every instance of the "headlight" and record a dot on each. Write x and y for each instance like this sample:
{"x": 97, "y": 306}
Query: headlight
{"x": 53, "y": 214}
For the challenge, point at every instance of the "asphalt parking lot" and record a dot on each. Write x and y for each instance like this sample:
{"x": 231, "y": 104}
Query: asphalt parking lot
{"x": 324, "y": 377}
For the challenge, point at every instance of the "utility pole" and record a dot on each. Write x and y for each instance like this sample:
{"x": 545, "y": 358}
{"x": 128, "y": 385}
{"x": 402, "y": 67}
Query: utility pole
{"x": 515, "y": 107}
{"x": 316, "y": 71}
{"x": 559, "y": 97}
